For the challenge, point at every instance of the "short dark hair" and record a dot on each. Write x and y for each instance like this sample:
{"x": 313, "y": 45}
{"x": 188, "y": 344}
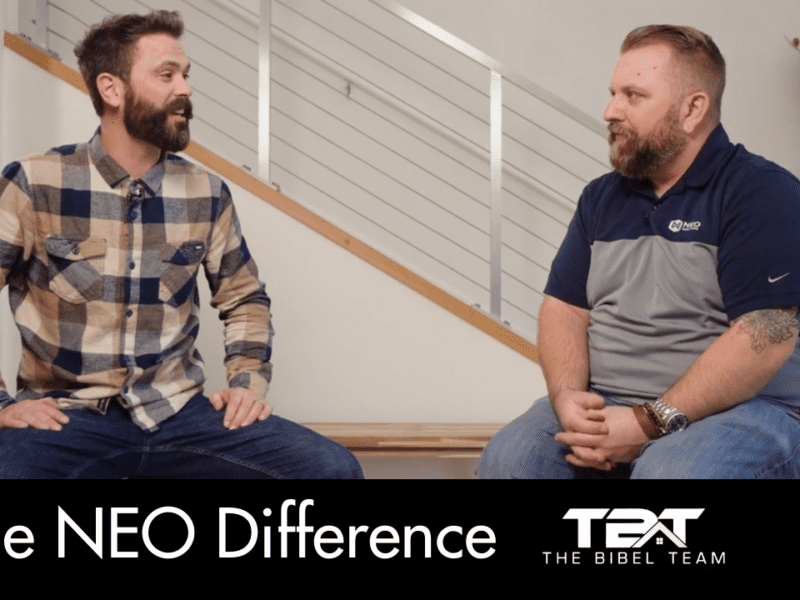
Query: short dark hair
{"x": 694, "y": 49}
{"x": 108, "y": 47}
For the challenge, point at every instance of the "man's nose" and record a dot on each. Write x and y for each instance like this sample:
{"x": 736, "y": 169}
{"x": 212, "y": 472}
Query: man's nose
{"x": 183, "y": 88}
{"x": 613, "y": 111}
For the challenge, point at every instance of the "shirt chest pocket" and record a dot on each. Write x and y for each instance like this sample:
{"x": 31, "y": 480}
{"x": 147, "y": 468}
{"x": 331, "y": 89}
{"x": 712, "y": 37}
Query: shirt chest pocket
{"x": 179, "y": 278}
{"x": 75, "y": 267}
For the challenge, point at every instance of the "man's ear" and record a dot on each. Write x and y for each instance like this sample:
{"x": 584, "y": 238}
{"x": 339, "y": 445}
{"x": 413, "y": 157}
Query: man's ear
{"x": 112, "y": 89}
{"x": 696, "y": 107}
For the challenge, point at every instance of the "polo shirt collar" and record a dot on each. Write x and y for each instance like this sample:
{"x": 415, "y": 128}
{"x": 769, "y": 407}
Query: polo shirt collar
{"x": 710, "y": 157}
{"x": 114, "y": 175}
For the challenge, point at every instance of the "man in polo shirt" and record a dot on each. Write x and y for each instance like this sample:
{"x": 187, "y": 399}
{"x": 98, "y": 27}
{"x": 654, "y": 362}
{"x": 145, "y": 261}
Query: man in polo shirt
{"x": 101, "y": 245}
{"x": 668, "y": 332}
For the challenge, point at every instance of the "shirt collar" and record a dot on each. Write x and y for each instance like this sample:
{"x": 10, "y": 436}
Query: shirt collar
{"x": 711, "y": 155}
{"x": 114, "y": 175}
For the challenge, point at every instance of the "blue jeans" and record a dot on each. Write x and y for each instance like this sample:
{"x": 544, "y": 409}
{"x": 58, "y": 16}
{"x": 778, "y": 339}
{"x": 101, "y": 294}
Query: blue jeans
{"x": 756, "y": 439}
{"x": 191, "y": 444}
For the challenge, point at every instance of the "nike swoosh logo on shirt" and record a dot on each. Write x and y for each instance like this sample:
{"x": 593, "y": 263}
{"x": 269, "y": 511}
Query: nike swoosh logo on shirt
{"x": 774, "y": 279}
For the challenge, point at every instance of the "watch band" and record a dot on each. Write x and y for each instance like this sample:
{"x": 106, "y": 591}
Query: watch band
{"x": 669, "y": 419}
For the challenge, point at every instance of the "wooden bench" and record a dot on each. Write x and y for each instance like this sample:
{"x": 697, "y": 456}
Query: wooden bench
{"x": 445, "y": 440}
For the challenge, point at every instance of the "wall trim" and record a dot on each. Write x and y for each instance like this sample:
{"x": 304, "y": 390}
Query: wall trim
{"x": 255, "y": 186}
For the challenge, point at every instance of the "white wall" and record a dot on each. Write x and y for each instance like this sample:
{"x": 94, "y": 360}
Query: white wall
{"x": 8, "y": 15}
{"x": 570, "y": 47}
{"x": 352, "y": 344}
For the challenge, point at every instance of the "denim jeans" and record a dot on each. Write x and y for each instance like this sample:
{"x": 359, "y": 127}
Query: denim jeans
{"x": 191, "y": 444}
{"x": 756, "y": 439}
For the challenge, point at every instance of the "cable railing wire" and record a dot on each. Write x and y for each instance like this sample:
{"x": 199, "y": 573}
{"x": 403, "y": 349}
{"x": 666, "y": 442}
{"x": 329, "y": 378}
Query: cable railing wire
{"x": 540, "y": 195}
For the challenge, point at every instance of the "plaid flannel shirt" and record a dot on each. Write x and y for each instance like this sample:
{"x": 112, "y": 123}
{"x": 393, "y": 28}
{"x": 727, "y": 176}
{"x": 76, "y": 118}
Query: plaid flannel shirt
{"x": 102, "y": 274}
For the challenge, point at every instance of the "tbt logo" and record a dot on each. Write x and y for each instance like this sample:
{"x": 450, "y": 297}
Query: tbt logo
{"x": 633, "y": 536}
{"x": 633, "y": 527}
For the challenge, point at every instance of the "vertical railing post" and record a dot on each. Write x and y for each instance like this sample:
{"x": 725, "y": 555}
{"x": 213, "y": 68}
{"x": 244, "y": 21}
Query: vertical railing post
{"x": 496, "y": 159}
{"x": 264, "y": 50}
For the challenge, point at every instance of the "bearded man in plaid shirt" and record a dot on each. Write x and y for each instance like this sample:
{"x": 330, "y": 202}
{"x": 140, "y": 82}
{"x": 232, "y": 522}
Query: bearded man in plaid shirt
{"x": 101, "y": 244}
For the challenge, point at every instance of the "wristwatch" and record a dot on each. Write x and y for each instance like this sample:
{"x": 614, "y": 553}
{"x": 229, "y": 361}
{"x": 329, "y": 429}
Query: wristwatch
{"x": 669, "y": 418}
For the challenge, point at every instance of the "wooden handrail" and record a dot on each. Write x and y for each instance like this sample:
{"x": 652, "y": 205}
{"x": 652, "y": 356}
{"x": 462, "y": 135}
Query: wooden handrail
{"x": 293, "y": 209}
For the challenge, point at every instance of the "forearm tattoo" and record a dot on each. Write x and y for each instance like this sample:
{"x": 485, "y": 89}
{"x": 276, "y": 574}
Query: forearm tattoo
{"x": 769, "y": 326}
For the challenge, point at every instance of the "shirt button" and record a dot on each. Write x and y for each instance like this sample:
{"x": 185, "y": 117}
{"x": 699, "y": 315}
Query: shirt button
{"x": 125, "y": 390}
{"x": 76, "y": 251}
{"x": 132, "y": 265}
{"x": 128, "y": 313}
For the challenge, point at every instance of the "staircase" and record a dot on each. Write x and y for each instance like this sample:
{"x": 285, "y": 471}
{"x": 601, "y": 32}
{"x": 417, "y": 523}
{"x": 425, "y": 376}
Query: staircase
{"x": 381, "y": 124}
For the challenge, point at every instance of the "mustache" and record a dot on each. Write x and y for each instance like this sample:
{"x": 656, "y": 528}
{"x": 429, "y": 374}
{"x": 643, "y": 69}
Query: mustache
{"x": 179, "y": 104}
{"x": 615, "y": 129}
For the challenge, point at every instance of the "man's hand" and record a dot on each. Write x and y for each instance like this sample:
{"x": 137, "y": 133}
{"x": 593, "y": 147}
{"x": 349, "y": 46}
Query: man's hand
{"x": 39, "y": 414}
{"x": 243, "y": 407}
{"x": 580, "y": 412}
{"x": 621, "y": 444}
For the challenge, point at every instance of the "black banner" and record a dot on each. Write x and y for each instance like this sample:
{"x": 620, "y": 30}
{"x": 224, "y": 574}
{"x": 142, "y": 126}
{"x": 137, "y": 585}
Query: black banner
{"x": 563, "y": 529}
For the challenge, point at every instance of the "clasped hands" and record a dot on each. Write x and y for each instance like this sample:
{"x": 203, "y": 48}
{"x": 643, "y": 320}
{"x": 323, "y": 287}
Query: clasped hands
{"x": 599, "y": 436}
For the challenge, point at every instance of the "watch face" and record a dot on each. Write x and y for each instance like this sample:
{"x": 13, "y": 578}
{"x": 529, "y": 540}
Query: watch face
{"x": 678, "y": 422}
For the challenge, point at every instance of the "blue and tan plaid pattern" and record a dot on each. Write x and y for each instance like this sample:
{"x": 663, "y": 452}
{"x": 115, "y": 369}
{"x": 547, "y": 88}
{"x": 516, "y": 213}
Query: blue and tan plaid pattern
{"x": 102, "y": 274}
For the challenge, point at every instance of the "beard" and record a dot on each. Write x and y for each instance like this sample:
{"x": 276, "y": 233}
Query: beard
{"x": 643, "y": 157}
{"x": 144, "y": 121}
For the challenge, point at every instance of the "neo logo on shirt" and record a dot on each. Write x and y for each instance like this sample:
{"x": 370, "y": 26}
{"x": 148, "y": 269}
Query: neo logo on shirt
{"x": 632, "y": 527}
{"x": 678, "y": 225}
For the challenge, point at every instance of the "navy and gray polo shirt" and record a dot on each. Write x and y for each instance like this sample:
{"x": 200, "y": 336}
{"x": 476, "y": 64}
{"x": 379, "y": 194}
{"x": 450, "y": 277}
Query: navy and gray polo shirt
{"x": 664, "y": 277}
